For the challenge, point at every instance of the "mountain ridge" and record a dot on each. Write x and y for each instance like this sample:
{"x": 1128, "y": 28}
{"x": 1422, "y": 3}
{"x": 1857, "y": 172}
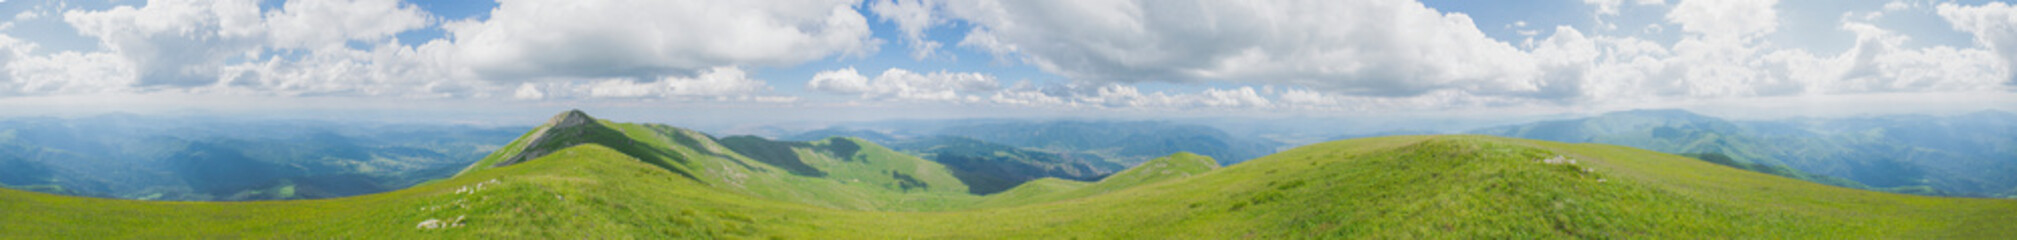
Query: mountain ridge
{"x": 1455, "y": 186}
{"x": 564, "y": 126}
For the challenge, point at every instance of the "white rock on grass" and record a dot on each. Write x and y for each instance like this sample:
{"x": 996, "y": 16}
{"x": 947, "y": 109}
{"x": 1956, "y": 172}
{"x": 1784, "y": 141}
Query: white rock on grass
{"x": 439, "y": 224}
{"x": 430, "y": 224}
{"x": 1558, "y": 159}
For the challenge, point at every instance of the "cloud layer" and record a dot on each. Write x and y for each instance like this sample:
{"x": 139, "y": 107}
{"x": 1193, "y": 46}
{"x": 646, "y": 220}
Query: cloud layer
{"x": 345, "y": 47}
{"x": 1402, "y": 49}
{"x": 1326, "y": 55}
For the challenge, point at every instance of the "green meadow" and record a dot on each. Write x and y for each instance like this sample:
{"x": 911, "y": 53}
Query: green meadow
{"x": 620, "y": 180}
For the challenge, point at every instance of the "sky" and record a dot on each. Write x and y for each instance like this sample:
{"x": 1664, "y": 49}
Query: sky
{"x": 800, "y": 60}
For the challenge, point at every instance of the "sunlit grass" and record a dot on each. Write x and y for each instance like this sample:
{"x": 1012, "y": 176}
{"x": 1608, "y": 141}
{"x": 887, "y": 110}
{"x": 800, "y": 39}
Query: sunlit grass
{"x": 1389, "y": 187}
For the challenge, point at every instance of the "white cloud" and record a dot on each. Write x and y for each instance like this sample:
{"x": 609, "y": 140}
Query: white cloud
{"x": 1306, "y": 99}
{"x": 912, "y": 17}
{"x": 175, "y": 45}
{"x": 1993, "y": 24}
{"x": 528, "y": 91}
{"x": 1611, "y": 7}
{"x": 1241, "y": 97}
{"x": 722, "y": 83}
{"x": 301, "y": 47}
{"x": 59, "y": 73}
{"x": 638, "y": 39}
{"x": 845, "y": 81}
{"x": 1726, "y": 18}
{"x": 900, "y": 84}
{"x": 1896, "y": 5}
{"x": 328, "y": 23}
{"x": 71, "y": 72}
{"x": 385, "y": 70}
{"x": 1372, "y": 54}
{"x": 1879, "y": 63}
{"x": 1721, "y": 54}
{"x": 1319, "y": 44}
{"x": 175, "y": 42}
{"x": 27, "y": 15}
{"x": 1605, "y": 7}
{"x": 1238, "y": 99}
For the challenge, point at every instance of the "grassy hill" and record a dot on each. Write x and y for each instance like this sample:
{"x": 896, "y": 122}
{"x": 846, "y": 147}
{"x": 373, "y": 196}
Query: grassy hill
{"x": 989, "y": 167}
{"x": 1387, "y": 187}
{"x": 1175, "y": 166}
{"x": 1960, "y": 155}
{"x": 844, "y": 173}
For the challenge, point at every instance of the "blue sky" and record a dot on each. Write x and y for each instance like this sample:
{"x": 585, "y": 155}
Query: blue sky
{"x": 791, "y": 60}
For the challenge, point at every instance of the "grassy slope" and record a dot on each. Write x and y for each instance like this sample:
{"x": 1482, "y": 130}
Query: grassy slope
{"x": 1176, "y": 166}
{"x": 857, "y": 174}
{"x": 1389, "y": 187}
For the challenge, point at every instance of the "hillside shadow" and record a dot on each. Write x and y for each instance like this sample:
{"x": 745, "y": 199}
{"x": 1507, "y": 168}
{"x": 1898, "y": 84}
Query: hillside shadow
{"x": 691, "y": 143}
{"x": 775, "y": 153}
{"x": 609, "y": 137}
{"x": 978, "y": 183}
{"x": 843, "y": 148}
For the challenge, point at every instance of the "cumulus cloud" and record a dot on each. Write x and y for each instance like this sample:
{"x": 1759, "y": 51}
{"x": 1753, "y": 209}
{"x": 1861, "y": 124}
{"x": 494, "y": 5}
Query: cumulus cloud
{"x": 1879, "y": 62}
{"x": 721, "y": 83}
{"x": 179, "y": 45}
{"x": 1993, "y": 24}
{"x": 1241, "y": 97}
{"x": 71, "y": 72}
{"x": 645, "y": 39}
{"x": 328, "y": 23}
{"x": 1321, "y": 54}
{"x": 175, "y": 42}
{"x": 912, "y": 17}
{"x": 1605, "y": 7}
{"x": 529, "y": 92}
{"x": 345, "y": 47}
{"x": 1120, "y": 96}
{"x": 1377, "y": 47}
{"x": 386, "y": 70}
{"x": 1424, "y": 56}
{"x": 59, "y": 73}
{"x": 1726, "y": 18}
{"x": 900, "y": 84}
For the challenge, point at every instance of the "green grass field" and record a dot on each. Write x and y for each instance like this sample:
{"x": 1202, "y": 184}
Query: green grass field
{"x": 687, "y": 186}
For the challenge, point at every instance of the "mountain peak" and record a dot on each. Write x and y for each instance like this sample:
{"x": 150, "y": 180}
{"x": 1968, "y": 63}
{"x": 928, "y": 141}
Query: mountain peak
{"x": 569, "y": 118}
{"x": 566, "y": 129}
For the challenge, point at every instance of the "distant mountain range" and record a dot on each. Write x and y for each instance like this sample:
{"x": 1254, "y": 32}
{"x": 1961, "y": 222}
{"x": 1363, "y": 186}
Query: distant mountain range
{"x": 582, "y": 177}
{"x": 1971, "y": 154}
{"x": 1120, "y": 142}
{"x": 201, "y": 159}
{"x": 127, "y": 156}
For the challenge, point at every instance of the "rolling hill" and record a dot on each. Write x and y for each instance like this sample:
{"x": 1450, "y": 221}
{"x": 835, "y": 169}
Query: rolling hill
{"x": 619, "y": 180}
{"x": 990, "y": 167}
{"x": 1961, "y": 155}
{"x": 217, "y": 159}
